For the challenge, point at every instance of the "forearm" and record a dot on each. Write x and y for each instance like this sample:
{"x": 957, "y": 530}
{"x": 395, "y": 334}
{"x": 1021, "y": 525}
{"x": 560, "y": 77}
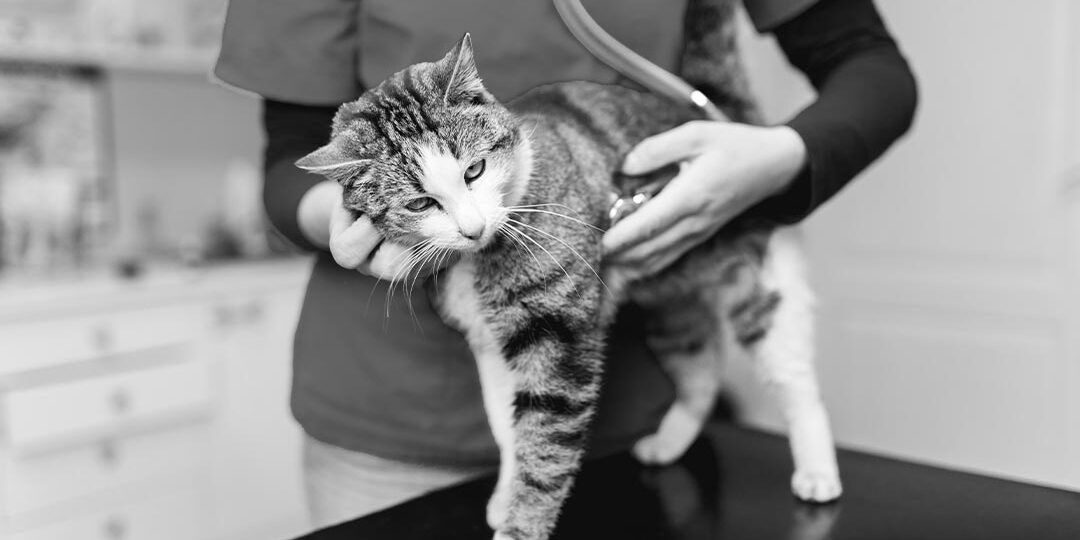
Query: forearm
{"x": 866, "y": 100}
{"x": 298, "y": 203}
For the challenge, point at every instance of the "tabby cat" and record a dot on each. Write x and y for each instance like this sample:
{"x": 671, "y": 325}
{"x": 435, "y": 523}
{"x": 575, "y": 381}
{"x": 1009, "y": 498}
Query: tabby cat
{"x": 519, "y": 194}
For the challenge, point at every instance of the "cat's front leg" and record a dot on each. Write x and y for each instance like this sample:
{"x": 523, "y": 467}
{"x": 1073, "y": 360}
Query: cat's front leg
{"x": 556, "y": 376}
{"x": 553, "y": 351}
{"x": 539, "y": 356}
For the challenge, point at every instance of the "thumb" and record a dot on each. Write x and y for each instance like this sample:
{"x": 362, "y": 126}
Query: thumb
{"x": 352, "y": 244}
{"x": 654, "y": 217}
{"x": 674, "y": 145}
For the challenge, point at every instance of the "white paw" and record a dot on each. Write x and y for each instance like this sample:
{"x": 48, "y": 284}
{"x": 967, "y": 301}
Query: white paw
{"x": 815, "y": 486}
{"x": 676, "y": 433}
{"x": 498, "y": 507}
{"x": 501, "y": 536}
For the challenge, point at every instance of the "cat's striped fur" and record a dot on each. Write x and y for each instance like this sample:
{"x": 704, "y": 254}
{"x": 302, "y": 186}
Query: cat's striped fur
{"x": 527, "y": 289}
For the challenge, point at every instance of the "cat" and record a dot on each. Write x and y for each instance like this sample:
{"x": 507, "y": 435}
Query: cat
{"x": 519, "y": 193}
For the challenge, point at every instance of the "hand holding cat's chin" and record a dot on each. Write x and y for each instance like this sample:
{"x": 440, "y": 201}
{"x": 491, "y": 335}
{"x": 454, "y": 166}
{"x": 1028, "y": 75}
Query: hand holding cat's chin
{"x": 355, "y": 244}
{"x": 728, "y": 168}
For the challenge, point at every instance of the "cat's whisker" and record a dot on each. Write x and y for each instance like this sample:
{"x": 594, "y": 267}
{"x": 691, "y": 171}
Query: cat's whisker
{"x": 506, "y": 231}
{"x": 402, "y": 271}
{"x": 513, "y": 234}
{"x": 568, "y": 246}
{"x": 541, "y": 246}
{"x": 417, "y": 267}
{"x": 571, "y": 209}
{"x": 431, "y": 252}
{"x": 401, "y": 258}
{"x": 393, "y": 279}
{"x": 537, "y": 205}
{"x": 438, "y": 265}
{"x": 575, "y": 220}
{"x": 410, "y": 265}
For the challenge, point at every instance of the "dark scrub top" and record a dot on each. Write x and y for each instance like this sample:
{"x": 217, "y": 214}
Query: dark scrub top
{"x": 405, "y": 387}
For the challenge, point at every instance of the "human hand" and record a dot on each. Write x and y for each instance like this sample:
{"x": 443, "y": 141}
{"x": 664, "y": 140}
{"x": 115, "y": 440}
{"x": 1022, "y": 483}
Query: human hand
{"x": 356, "y": 244}
{"x": 728, "y": 167}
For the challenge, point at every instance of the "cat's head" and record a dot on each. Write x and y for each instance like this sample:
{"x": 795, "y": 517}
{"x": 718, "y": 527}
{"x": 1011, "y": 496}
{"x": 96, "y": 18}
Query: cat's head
{"x": 428, "y": 155}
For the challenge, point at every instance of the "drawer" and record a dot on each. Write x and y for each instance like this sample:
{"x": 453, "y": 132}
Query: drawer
{"x": 38, "y": 481}
{"x": 178, "y": 516}
{"x": 49, "y": 342}
{"x": 54, "y": 415}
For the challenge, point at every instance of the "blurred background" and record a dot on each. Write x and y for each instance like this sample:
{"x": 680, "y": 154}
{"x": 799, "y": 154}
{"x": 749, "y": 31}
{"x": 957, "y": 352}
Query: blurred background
{"x": 146, "y": 313}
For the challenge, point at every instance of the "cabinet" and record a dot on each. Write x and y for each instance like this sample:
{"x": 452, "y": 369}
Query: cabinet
{"x": 151, "y": 410}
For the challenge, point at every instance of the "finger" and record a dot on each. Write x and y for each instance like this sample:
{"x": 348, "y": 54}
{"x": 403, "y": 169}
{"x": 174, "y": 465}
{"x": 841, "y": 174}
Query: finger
{"x": 341, "y": 218}
{"x": 677, "y": 144}
{"x": 680, "y": 199}
{"x": 388, "y": 261}
{"x": 352, "y": 246}
{"x": 657, "y": 253}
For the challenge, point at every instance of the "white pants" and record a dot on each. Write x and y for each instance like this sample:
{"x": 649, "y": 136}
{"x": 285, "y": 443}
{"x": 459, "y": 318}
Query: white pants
{"x": 341, "y": 484}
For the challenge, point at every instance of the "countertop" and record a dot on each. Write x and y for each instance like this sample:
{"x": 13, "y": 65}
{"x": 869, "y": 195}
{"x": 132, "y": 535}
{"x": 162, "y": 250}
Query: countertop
{"x": 89, "y": 290}
{"x": 733, "y": 484}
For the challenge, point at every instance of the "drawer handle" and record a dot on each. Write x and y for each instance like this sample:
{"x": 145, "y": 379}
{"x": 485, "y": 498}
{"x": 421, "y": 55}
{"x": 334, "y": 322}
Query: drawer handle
{"x": 224, "y": 316}
{"x": 121, "y": 401}
{"x": 115, "y": 528}
{"x": 110, "y": 454}
{"x": 103, "y": 339}
{"x": 254, "y": 312}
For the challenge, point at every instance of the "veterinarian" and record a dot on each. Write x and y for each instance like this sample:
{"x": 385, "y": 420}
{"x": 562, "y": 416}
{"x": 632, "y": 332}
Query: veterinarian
{"x": 392, "y": 407}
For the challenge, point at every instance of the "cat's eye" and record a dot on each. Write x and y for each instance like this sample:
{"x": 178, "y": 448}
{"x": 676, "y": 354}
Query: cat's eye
{"x": 475, "y": 170}
{"x": 420, "y": 204}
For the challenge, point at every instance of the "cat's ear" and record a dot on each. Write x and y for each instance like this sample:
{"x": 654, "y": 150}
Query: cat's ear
{"x": 329, "y": 158}
{"x": 463, "y": 82}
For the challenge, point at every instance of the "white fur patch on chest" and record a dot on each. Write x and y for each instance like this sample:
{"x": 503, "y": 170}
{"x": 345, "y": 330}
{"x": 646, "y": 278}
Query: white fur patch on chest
{"x": 462, "y": 307}
{"x": 460, "y": 301}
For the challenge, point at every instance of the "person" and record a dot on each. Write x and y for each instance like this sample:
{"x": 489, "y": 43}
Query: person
{"x": 388, "y": 395}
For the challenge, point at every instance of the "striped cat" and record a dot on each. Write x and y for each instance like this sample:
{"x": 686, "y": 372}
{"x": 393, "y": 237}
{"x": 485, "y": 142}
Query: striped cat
{"x": 518, "y": 195}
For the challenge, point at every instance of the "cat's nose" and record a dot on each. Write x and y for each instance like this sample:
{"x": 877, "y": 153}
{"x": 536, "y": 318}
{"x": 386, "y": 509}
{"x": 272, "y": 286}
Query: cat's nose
{"x": 470, "y": 221}
{"x": 473, "y": 231}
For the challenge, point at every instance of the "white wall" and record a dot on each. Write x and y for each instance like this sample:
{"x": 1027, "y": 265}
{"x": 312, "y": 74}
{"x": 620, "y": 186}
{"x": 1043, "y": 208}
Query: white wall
{"x": 948, "y": 271}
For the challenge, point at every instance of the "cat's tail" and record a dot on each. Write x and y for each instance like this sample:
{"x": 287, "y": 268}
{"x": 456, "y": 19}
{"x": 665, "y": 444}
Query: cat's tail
{"x": 713, "y": 79}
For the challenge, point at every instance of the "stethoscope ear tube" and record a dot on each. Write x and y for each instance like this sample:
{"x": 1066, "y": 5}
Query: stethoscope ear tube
{"x": 629, "y": 63}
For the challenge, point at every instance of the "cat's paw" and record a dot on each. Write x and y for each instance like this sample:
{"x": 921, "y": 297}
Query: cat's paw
{"x": 816, "y": 486}
{"x": 497, "y": 508}
{"x": 676, "y": 433}
{"x": 501, "y": 536}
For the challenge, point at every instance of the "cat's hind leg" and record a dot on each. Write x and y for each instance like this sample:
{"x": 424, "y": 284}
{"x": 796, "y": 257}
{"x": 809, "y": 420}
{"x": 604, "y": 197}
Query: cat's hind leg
{"x": 684, "y": 336}
{"x": 776, "y": 325}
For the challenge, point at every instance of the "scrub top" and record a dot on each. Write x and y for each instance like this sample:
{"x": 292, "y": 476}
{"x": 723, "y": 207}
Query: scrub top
{"x": 404, "y": 386}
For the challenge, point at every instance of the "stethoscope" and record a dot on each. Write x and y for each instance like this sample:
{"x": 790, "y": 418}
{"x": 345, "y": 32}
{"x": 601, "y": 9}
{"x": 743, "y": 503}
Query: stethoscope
{"x": 635, "y": 67}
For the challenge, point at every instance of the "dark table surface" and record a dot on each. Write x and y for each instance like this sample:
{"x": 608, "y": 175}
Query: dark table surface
{"x": 733, "y": 484}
